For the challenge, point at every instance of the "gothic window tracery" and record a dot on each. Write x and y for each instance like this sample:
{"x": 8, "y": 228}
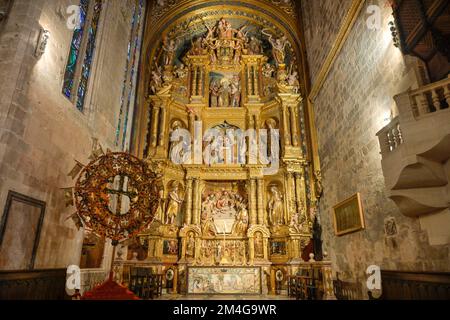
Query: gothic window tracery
{"x": 130, "y": 74}
{"x": 81, "y": 54}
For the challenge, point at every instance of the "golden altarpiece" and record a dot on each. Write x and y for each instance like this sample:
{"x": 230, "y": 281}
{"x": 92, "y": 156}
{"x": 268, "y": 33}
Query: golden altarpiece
{"x": 224, "y": 69}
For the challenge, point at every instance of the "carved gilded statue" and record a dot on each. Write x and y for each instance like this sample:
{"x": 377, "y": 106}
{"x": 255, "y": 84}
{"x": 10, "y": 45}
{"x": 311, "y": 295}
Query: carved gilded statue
{"x": 297, "y": 221}
{"x": 156, "y": 81}
{"x": 235, "y": 92}
{"x": 174, "y": 204}
{"x": 278, "y": 47}
{"x": 228, "y": 84}
{"x": 276, "y": 211}
{"x": 259, "y": 245}
{"x": 170, "y": 47}
{"x": 190, "y": 245}
{"x": 241, "y": 224}
{"x": 254, "y": 46}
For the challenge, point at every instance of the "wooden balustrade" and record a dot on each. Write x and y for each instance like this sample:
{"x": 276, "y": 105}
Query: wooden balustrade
{"x": 307, "y": 284}
{"x": 431, "y": 98}
{"x": 145, "y": 284}
{"x": 347, "y": 290}
{"x": 33, "y": 285}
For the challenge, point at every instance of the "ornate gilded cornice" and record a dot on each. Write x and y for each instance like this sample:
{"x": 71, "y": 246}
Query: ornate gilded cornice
{"x": 161, "y": 8}
{"x": 346, "y": 27}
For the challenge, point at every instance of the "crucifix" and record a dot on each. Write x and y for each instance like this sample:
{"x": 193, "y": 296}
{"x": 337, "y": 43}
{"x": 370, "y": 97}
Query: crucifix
{"x": 120, "y": 192}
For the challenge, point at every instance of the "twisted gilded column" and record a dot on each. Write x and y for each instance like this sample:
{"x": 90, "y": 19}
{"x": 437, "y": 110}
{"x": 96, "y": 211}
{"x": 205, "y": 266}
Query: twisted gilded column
{"x": 250, "y": 82}
{"x": 201, "y": 82}
{"x": 287, "y": 133}
{"x": 194, "y": 82}
{"x": 300, "y": 189}
{"x": 292, "y": 204}
{"x": 294, "y": 126}
{"x": 162, "y": 127}
{"x": 261, "y": 219}
{"x": 255, "y": 80}
{"x": 188, "y": 215}
{"x": 253, "y": 203}
{"x": 196, "y": 204}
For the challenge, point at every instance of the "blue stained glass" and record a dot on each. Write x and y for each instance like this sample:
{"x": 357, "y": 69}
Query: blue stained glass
{"x": 75, "y": 50}
{"x": 130, "y": 71}
{"x": 89, "y": 55}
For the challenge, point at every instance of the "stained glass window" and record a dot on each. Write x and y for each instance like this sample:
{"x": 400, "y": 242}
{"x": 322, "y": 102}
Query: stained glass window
{"x": 89, "y": 55}
{"x": 129, "y": 84}
{"x": 81, "y": 54}
{"x": 75, "y": 48}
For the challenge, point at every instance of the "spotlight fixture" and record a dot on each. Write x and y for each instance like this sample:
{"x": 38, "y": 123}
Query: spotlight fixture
{"x": 44, "y": 35}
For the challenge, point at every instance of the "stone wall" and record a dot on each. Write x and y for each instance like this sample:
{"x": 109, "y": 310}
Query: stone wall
{"x": 353, "y": 105}
{"x": 42, "y": 132}
{"x": 321, "y": 22}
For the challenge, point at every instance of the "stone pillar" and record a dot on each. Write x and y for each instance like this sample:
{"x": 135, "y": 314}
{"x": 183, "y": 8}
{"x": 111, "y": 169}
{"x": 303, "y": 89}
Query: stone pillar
{"x": 261, "y": 218}
{"x": 196, "y": 205}
{"x": 253, "y": 203}
{"x": 155, "y": 121}
{"x": 188, "y": 214}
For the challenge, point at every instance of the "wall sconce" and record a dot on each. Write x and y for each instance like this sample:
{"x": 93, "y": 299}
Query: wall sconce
{"x": 394, "y": 33}
{"x": 2, "y": 15}
{"x": 44, "y": 35}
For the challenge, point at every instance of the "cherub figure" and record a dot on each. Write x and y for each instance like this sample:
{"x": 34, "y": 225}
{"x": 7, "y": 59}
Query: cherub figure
{"x": 292, "y": 80}
{"x": 156, "y": 82}
{"x": 268, "y": 70}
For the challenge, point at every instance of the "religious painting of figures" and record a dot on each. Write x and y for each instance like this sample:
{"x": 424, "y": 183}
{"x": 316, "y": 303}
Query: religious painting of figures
{"x": 224, "y": 280}
{"x": 278, "y": 248}
{"x": 225, "y": 89}
{"x": 170, "y": 247}
{"x": 225, "y": 208}
{"x": 349, "y": 216}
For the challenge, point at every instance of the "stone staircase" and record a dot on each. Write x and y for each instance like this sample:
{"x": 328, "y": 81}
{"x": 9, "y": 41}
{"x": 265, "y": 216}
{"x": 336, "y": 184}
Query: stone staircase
{"x": 415, "y": 149}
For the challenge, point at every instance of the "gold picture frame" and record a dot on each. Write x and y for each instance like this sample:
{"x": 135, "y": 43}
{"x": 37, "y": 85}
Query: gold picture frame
{"x": 348, "y": 216}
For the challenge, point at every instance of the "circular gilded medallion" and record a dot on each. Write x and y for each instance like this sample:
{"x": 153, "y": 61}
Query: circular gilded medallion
{"x": 117, "y": 196}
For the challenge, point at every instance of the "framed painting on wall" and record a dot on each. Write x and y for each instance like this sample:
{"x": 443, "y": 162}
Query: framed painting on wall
{"x": 348, "y": 216}
{"x": 20, "y": 229}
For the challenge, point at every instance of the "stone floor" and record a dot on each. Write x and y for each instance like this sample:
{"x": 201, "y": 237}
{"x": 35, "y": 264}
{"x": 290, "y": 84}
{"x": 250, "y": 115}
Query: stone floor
{"x": 223, "y": 297}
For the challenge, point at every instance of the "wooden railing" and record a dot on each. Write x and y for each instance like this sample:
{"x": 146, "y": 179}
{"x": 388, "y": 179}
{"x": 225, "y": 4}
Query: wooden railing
{"x": 307, "y": 284}
{"x": 302, "y": 288}
{"x": 415, "y": 285}
{"x": 145, "y": 284}
{"x": 33, "y": 285}
{"x": 347, "y": 290}
{"x": 431, "y": 98}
